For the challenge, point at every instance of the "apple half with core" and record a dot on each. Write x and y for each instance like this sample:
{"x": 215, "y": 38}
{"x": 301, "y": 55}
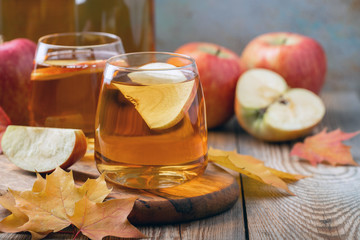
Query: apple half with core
{"x": 299, "y": 59}
{"x": 38, "y": 149}
{"x": 219, "y": 69}
{"x": 267, "y": 109}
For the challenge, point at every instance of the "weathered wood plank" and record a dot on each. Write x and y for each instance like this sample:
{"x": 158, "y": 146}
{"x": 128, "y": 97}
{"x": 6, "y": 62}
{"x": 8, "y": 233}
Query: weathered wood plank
{"x": 229, "y": 225}
{"x": 326, "y": 205}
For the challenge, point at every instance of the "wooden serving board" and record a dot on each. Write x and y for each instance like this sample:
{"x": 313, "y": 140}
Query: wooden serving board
{"x": 214, "y": 192}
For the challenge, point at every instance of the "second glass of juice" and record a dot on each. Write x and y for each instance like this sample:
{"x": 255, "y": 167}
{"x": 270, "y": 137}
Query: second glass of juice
{"x": 66, "y": 80}
{"x": 150, "y": 125}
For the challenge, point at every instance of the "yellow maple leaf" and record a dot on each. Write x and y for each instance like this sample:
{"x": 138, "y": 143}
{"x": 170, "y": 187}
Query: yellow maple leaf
{"x": 97, "y": 220}
{"x": 39, "y": 184}
{"x": 252, "y": 167}
{"x": 46, "y": 207}
{"x": 13, "y": 222}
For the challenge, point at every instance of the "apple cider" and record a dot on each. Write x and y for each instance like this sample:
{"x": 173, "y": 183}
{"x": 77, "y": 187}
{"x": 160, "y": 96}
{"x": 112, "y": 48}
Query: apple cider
{"x": 66, "y": 95}
{"x": 132, "y": 21}
{"x": 66, "y": 81}
{"x": 150, "y": 133}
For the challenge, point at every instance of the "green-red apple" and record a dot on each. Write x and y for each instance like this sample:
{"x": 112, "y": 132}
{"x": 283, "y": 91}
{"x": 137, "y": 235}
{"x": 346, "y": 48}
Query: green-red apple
{"x": 219, "y": 69}
{"x": 299, "y": 59}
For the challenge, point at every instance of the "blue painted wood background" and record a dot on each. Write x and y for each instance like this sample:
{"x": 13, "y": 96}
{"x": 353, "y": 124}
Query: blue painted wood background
{"x": 233, "y": 23}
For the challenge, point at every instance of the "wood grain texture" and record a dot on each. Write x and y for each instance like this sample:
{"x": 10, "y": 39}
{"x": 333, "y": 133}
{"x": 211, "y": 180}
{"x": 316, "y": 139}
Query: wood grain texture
{"x": 214, "y": 192}
{"x": 326, "y": 205}
{"x": 228, "y": 225}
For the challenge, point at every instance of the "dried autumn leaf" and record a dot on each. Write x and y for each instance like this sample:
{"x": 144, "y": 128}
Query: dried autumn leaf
{"x": 97, "y": 220}
{"x": 50, "y": 205}
{"x": 95, "y": 189}
{"x": 50, "y": 202}
{"x": 252, "y": 168}
{"x": 15, "y": 221}
{"x": 12, "y": 222}
{"x": 286, "y": 176}
{"x": 326, "y": 147}
{"x": 39, "y": 184}
{"x": 4, "y": 122}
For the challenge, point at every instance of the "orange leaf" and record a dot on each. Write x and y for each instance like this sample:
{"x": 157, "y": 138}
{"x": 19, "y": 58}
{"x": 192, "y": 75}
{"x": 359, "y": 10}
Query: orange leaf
{"x": 4, "y": 122}
{"x": 326, "y": 147}
{"x": 97, "y": 220}
{"x": 252, "y": 168}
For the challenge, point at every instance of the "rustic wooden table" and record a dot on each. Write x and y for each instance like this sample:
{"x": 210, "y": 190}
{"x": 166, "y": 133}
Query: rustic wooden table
{"x": 326, "y": 205}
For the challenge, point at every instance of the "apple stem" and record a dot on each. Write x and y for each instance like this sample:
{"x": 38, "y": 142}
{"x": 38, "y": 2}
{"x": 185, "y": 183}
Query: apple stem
{"x": 218, "y": 51}
{"x": 283, "y": 41}
{"x": 1, "y": 39}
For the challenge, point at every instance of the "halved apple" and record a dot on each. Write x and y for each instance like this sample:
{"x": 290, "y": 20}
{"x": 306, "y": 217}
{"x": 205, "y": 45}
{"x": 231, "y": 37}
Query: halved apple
{"x": 38, "y": 149}
{"x": 163, "y": 96}
{"x": 267, "y": 109}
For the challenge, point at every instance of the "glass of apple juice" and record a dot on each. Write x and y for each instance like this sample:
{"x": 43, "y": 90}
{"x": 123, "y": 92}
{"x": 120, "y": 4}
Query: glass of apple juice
{"x": 150, "y": 128}
{"x": 66, "y": 80}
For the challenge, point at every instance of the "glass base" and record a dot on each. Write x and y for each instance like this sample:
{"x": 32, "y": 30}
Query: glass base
{"x": 149, "y": 176}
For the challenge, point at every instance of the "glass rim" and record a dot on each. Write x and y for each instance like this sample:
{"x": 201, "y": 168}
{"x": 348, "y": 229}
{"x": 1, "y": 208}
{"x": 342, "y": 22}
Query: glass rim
{"x": 133, "y": 69}
{"x": 117, "y": 39}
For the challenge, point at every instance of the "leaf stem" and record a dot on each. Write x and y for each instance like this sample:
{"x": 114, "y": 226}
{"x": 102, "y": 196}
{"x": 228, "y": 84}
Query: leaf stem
{"x": 76, "y": 234}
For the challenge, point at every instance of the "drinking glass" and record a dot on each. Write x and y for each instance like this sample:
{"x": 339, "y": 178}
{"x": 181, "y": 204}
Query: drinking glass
{"x": 66, "y": 79}
{"x": 150, "y": 129}
{"x": 132, "y": 20}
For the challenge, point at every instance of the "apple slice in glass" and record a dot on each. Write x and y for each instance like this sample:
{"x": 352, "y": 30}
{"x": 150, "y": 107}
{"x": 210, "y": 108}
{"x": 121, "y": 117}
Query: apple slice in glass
{"x": 64, "y": 68}
{"x": 163, "y": 96}
{"x": 267, "y": 109}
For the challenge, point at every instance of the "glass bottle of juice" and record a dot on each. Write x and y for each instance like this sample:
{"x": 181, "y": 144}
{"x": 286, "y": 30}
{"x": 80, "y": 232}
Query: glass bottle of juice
{"x": 131, "y": 20}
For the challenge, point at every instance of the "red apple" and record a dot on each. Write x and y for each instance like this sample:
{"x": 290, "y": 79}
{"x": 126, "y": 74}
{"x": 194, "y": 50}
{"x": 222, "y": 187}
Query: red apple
{"x": 219, "y": 69}
{"x": 16, "y": 64}
{"x": 299, "y": 59}
{"x": 4, "y": 122}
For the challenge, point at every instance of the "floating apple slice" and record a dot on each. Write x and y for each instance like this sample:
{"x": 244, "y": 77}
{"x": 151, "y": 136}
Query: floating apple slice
{"x": 164, "y": 96}
{"x": 266, "y": 108}
{"x": 76, "y": 63}
{"x": 39, "y": 149}
{"x": 157, "y": 76}
{"x": 65, "y": 68}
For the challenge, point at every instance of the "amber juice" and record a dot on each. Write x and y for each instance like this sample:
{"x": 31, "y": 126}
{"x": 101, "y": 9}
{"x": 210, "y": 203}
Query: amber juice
{"x": 132, "y": 21}
{"x": 65, "y": 92}
{"x": 137, "y": 146}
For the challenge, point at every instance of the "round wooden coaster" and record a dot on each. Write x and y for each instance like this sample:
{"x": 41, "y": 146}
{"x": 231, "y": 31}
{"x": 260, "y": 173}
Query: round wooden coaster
{"x": 212, "y": 193}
